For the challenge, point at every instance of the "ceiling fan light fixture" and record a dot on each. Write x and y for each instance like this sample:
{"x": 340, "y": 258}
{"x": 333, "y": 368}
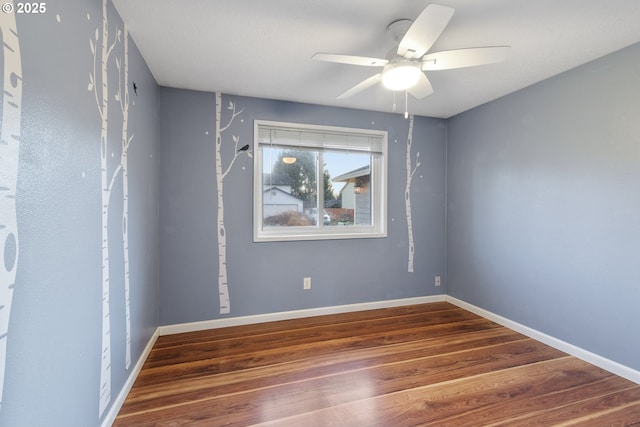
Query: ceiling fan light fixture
{"x": 401, "y": 75}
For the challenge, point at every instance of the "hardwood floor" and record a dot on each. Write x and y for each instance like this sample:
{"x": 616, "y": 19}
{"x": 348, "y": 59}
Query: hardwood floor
{"x": 421, "y": 365}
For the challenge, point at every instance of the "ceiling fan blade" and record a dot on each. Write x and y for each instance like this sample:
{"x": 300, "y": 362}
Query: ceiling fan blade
{"x": 461, "y": 58}
{"x": 362, "y": 86}
{"x": 422, "y": 88}
{"x": 350, "y": 59}
{"x": 425, "y": 30}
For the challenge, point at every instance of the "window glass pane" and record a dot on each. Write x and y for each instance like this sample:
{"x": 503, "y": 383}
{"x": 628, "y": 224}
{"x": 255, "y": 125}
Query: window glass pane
{"x": 318, "y": 182}
{"x": 289, "y": 187}
{"x": 347, "y": 188}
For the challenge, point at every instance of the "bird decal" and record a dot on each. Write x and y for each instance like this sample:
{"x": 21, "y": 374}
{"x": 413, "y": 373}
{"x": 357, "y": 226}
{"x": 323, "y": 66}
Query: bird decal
{"x": 244, "y": 148}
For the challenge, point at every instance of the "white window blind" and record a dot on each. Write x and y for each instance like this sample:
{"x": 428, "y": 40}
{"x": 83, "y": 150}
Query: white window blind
{"x": 276, "y": 135}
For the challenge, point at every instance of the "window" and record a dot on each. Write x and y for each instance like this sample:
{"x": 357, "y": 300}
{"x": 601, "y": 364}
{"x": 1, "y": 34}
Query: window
{"x": 318, "y": 182}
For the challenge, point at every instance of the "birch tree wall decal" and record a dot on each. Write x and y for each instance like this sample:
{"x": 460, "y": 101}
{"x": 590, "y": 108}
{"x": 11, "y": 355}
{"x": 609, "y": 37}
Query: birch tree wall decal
{"x": 102, "y": 101}
{"x": 223, "y": 288}
{"x": 407, "y": 192}
{"x": 123, "y": 99}
{"x": 9, "y": 157}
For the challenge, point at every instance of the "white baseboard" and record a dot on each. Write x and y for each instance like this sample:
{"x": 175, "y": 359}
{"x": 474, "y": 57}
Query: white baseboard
{"x": 580, "y": 353}
{"x": 110, "y": 418}
{"x": 295, "y": 314}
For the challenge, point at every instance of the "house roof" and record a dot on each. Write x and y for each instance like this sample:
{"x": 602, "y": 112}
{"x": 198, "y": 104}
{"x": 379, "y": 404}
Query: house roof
{"x": 356, "y": 173}
{"x": 276, "y": 179}
{"x": 274, "y": 188}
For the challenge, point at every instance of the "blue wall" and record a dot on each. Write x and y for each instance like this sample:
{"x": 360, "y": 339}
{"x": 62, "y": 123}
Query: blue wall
{"x": 542, "y": 226}
{"x": 543, "y": 203}
{"x": 54, "y": 341}
{"x": 267, "y": 277}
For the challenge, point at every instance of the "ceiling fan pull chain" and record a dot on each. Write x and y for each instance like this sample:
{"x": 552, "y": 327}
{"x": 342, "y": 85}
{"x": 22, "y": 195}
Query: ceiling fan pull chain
{"x": 394, "y": 102}
{"x": 406, "y": 104}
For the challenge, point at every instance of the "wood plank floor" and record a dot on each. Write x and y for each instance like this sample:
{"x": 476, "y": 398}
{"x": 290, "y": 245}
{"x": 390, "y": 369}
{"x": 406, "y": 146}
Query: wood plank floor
{"x": 421, "y": 365}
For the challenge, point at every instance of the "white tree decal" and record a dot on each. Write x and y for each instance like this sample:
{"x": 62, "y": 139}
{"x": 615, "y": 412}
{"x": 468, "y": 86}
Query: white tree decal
{"x": 122, "y": 96}
{"x": 107, "y": 182}
{"x": 407, "y": 192}
{"x": 223, "y": 288}
{"x": 9, "y": 157}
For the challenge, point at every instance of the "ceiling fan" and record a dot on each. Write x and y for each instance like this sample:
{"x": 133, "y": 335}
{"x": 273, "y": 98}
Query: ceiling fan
{"x": 403, "y": 68}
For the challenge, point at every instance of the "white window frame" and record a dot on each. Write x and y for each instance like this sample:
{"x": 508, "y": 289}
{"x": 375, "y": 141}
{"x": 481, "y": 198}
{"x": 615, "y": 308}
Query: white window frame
{"x": 377, "y": 146}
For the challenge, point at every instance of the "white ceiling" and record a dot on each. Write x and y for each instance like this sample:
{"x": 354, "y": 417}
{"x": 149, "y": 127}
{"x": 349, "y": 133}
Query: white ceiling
{"x": 264, "y": 48}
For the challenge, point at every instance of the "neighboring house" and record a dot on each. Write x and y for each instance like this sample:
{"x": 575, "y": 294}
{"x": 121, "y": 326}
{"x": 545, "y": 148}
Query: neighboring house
{"x": 276, "y": 200}
{"x": 356, "y": 193}
{"x": 348, "y": 196}
{"x": 277, "y": 197}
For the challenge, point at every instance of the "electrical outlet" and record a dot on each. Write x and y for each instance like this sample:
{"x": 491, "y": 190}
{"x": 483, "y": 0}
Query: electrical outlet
{"x": 306, "y": 284}
{"x": 437, "y": 281}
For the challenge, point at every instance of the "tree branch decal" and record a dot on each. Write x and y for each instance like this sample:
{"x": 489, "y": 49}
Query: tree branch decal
{"x": 9, "y": 159}
{"x": 234, "y": 114}
{"x": 407, "y": 193}
{"x": 223, "y": 288}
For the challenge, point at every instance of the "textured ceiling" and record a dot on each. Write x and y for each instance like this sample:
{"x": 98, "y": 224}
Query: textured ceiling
{"x": 264, "y": 48}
